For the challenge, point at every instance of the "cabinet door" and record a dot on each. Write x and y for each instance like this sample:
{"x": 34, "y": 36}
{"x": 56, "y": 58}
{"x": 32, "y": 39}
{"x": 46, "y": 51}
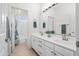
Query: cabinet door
{"x": 63, "y": 51}
{"x": 48, "y": 51}
{"x": 34, "y": 44}
{"x": 57, "y": 54}
{"x": 48, "y": 44}
{"x": 40, "y": 44}
{"x": 41, "y": 50}
{"x": 37, "y": 45}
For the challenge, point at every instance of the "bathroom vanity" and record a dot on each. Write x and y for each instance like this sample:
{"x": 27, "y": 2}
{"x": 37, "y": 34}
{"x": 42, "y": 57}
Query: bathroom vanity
{"x": 53, "y": 46}
{"x": 64, "y": 21}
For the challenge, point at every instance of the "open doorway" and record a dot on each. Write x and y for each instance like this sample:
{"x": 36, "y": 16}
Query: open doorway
{"x": 21, "y": 27}
{"x": 21, "y": 23}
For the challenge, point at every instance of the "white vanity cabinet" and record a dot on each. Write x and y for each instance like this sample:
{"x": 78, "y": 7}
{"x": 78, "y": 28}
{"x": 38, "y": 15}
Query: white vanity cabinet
{"x": 46, "y": 48}
{"x": 48, "y": 51}
{"x": 34, "y": 44}
{"x": 37, "y": 45}
{"x": 40, "y": 46}
{"x": 49, "y": 44}
{"x": 41, "y": 50}
{"x": 57, "y": 54}
{"x": 49, "y": 48}
{"x": 63, "y": 51}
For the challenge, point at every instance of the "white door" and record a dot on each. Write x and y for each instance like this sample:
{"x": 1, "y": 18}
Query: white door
{"x": 3, "y": 43}
{"x": 8, "y": 37}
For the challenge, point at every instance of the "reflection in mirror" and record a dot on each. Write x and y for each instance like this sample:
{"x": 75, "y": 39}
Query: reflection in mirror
{"x": 50, "y": 23}
{"x": 44, "y": 25}
{"x": 34, "y": 24}
{"x": 63, "y": 28}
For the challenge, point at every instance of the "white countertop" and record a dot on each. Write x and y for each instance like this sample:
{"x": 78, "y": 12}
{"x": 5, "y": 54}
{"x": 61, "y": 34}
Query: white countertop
{"x": 70, "y": 44}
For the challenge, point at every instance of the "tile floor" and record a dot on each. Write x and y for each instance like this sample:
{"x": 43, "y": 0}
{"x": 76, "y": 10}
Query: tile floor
{"x": 22, "y": 50}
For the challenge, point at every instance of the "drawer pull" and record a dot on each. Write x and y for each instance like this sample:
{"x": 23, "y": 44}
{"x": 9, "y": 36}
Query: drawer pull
{"x": 52, "y": 52}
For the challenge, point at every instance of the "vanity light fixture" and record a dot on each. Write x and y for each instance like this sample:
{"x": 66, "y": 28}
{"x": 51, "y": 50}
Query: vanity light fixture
{"x": 50, "y": 7}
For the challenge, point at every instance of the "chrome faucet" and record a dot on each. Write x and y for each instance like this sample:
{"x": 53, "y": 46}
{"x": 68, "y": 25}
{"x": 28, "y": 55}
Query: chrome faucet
{"x": 64, "y": 37}
{"x": 41, "y": 33}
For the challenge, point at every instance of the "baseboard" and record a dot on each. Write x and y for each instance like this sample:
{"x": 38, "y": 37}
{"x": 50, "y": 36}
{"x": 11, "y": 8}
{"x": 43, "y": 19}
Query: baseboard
{"x": 35, "y": 52}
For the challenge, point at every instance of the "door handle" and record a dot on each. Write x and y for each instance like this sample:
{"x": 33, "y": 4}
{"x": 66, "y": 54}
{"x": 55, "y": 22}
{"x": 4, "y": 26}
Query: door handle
{"x": 6, "y": 39}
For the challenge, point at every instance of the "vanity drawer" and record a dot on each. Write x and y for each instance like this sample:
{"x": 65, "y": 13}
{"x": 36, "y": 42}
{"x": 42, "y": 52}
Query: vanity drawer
{"x": 48, "y": 51}
{"x": 63, "y": 51}
{"x": 49, "y": 44}
{"x": 57, "y": 54}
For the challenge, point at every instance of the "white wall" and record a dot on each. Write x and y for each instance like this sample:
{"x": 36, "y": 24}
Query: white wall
{"x": 33, "y": 14}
